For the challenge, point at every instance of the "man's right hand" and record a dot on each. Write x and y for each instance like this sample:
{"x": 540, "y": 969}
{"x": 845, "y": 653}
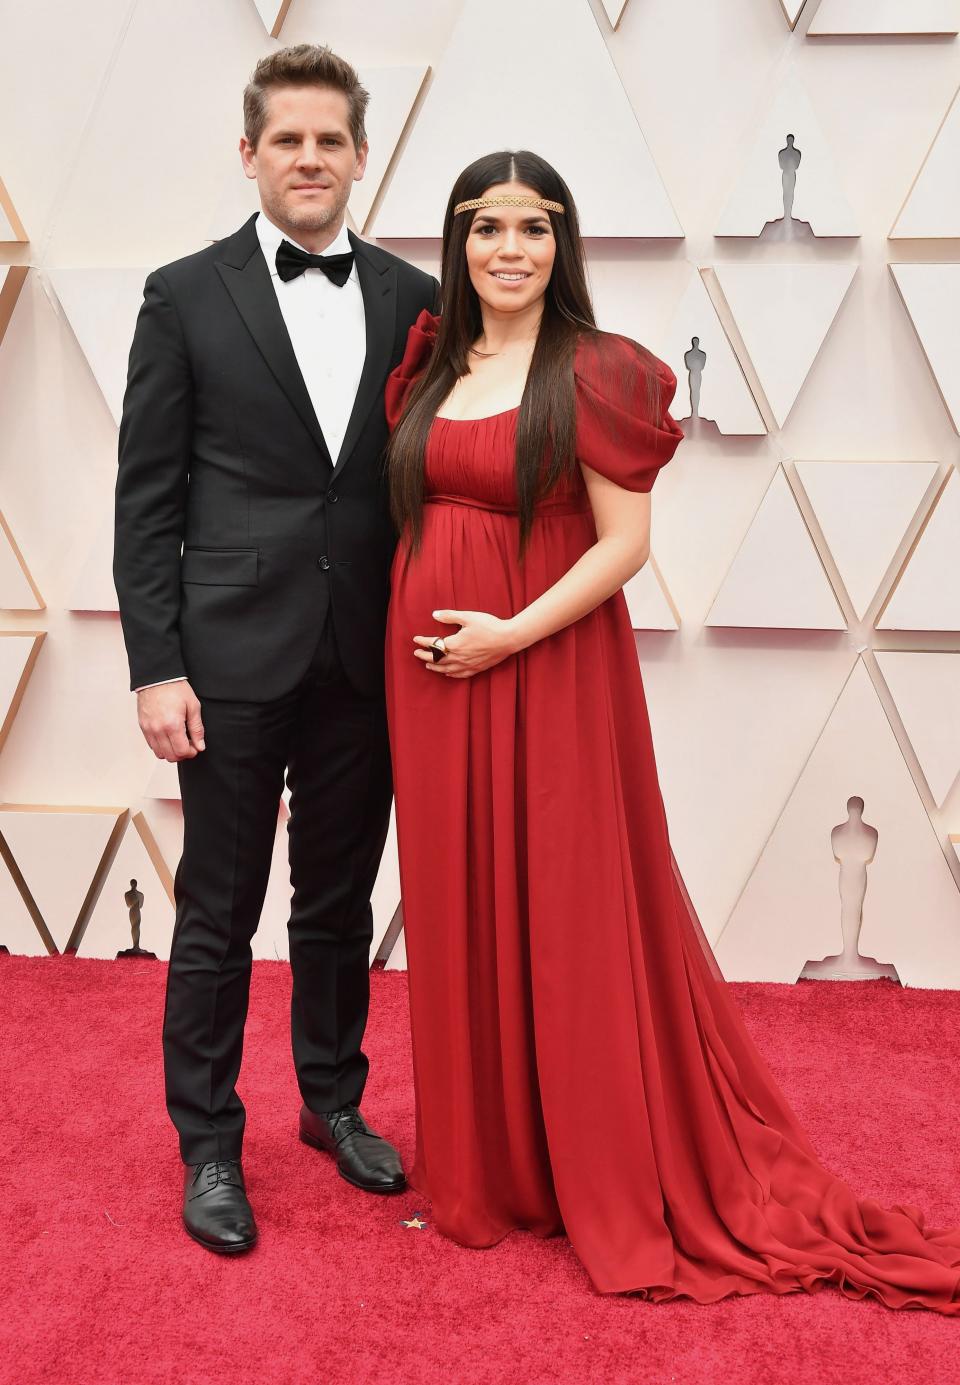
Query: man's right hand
{"x": 169, "y": 717}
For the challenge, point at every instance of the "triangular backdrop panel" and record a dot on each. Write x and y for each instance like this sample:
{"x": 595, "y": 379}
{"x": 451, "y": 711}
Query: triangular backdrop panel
{"x": 615, "y": 8}
{"x": 885, "y": 17}
{"x": 18, "y": 591}
{"x": 59, "y": 852}
{"x": 273, "y": 13}
{"x": 725, "y": 396}
{"x": 926, "y": 689}
{"x": 108, "y": 930}
{"x": 931, "y": 295}
{"x": 93, "y": 589}
{"x": 164, "y": 781}
{"x": 18, "y": 932}
{"x": 18, "y": 654}
{"x": 776, "y": 579}
{"x": 11, "y": 227}
{"x": 783, "y": 313}
{"x": 932, "y": 206}
{"x": 789, "y": 911}
{"x": 927, "y": 596}
{"x": 649, "y": 602}
{"x": 864, "y": 510}
{"x": 792, "y": 10}
{"x": 529, "y": 106}
{"x": 12, "y": 279}
{"x": 758, "y": 194}
{"x": 393, "y": 94}
{"x": 101, "y": 306}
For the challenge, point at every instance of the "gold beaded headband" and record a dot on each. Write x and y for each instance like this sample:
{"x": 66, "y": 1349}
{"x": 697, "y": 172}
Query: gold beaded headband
{"x": 509, "y": 200}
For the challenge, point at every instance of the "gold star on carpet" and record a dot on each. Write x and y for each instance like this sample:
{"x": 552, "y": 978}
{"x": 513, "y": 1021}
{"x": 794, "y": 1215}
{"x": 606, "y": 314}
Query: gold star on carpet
{"x": 416, "y": 1222}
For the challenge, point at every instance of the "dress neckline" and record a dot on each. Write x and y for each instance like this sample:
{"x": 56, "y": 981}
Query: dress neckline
{"x": 481, "y": 418}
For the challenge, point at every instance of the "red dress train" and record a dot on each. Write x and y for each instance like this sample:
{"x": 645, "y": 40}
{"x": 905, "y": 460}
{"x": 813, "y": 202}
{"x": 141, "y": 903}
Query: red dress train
{"x": 579, "y": 1067}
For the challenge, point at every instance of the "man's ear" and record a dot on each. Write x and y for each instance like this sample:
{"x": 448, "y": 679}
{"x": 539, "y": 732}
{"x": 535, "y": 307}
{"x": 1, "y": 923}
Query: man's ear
{"x": 248, "y": 157}
{"x": 361, "y": 167}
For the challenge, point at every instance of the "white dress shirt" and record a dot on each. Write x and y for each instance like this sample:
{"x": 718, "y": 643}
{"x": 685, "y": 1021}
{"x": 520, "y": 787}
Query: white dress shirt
{"x": 328, "y": 331}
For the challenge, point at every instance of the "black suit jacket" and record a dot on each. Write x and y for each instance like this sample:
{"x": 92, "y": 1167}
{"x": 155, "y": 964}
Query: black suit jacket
{"x": 234, "y": 532}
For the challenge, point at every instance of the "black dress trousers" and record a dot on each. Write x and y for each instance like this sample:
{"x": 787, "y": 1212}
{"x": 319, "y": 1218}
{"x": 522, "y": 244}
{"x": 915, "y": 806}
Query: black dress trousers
{"x": 332, "y": 744}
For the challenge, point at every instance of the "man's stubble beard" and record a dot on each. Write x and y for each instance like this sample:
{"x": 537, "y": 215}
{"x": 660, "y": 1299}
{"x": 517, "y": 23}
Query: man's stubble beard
{"x": 305, "y": 218}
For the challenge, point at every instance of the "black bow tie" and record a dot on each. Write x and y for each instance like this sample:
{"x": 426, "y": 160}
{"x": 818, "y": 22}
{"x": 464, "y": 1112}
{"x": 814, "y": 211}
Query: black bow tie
{"x": 292, "y": 261}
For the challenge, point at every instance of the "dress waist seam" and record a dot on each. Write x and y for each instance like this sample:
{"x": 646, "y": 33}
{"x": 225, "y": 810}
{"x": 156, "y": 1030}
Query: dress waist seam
{"x": 545, "y": 511}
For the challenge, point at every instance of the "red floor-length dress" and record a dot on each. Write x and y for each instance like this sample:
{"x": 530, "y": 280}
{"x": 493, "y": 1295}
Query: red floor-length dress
{"x": 578, "y": 1065}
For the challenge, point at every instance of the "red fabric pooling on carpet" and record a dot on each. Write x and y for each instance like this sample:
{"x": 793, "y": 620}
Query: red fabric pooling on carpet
{"x": 99, "y": 1282}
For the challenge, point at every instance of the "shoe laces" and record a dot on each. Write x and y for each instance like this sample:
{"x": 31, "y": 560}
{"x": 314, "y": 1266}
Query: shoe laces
{"x": 215, "y": 1173}
{"x": 346, "y": 1123}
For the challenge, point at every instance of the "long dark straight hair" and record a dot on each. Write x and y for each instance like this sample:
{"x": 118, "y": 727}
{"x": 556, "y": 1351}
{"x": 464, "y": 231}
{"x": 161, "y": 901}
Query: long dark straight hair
{"x": 546, "y": 425}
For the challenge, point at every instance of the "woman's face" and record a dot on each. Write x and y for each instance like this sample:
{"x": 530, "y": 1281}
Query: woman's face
{"x": 510, "y": 251}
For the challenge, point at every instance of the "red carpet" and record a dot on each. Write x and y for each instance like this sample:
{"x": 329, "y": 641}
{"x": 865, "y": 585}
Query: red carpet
{"x": 99, "y": 1283}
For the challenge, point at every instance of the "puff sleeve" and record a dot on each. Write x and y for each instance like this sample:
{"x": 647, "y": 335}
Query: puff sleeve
{"x": 420, "y": 342}
{"x": 623, "y": 396}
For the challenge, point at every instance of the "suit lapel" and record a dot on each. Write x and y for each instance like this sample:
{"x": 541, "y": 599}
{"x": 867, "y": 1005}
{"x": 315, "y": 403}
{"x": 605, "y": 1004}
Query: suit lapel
{"x": 244, "y": 271}
{"x": 378, "y": 284}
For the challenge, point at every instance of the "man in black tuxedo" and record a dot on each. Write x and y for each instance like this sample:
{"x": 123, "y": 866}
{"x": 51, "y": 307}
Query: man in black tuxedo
{"x": 253, "y": 544}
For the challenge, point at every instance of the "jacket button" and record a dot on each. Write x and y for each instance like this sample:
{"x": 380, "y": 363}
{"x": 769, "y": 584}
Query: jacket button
{"x": 324, "y": 563}
{"x": 332, "y": 496}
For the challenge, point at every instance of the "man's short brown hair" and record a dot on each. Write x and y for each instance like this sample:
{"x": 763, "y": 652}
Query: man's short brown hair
{"x": 303, "y": 65}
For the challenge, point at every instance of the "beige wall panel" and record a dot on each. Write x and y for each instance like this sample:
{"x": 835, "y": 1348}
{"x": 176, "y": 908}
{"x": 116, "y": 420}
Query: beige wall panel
{"x": 792, "y": 10}
{"x": 18, "y": 591}
{"x": 11, "y": 227}
{"x": 724, "y": 395}
{"x": 164, "y": 781}
{"x": 20, "y": 934}
{"x": 864, "y": 510}
{"x": 93, "y": 589}
{"x": 733, "y": 714}
{"x": 932, "y": 206}
{"x": 649, "y": 602}
{"x": 397, "y": 961}
{"x": 931, "y": 295}
{"x": 783, "y": 313}
{"x": 155, "y": 135}
{"x": 459, "y": 121}
{"x": 79, "y": 42}
{"x": 108, "y": 929}
{"x": 614, "y": 10}
{"x": 927, "y": 596}
{"x": 926, "y": 690}
{"x": 273, "y": 13}
{"x": 758, "y": 193}
{"x": 777, "y": 579}
{"x": 789, "y": 911}
{"x": 12, "y": 279}
{"x": 885, "y": 17}
{"x": 60, "y": 852}
{"x": 18, "y": 654}
{"x": 102, "y": 306}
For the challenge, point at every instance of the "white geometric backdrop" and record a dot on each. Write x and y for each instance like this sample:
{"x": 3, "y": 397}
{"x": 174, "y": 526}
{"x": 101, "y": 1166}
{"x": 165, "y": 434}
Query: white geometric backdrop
{"x": 772, "y": 204}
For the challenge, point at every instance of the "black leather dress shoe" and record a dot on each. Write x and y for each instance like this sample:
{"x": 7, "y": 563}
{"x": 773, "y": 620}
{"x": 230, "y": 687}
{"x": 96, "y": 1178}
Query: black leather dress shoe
{"x": 216, "y": 1212}
{"x": 363, "y": 1158}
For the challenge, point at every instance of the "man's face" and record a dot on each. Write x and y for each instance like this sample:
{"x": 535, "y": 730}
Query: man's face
{"x": 305, "y": 163}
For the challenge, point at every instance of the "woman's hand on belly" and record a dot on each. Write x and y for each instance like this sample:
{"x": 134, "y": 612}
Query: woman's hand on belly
{"x": 481, "y": 642}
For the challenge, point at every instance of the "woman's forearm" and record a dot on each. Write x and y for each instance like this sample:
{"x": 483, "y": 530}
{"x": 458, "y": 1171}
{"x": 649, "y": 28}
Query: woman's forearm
{"x": 602, "y": 570}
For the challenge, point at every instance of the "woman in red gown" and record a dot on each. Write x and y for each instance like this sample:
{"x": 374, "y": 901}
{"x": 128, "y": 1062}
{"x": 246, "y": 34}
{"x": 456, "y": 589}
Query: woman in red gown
{"x": 580, "y": 1065}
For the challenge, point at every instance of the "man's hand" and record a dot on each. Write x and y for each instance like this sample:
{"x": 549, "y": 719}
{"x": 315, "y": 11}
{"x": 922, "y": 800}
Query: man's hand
{"x": 169, "y": 717}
